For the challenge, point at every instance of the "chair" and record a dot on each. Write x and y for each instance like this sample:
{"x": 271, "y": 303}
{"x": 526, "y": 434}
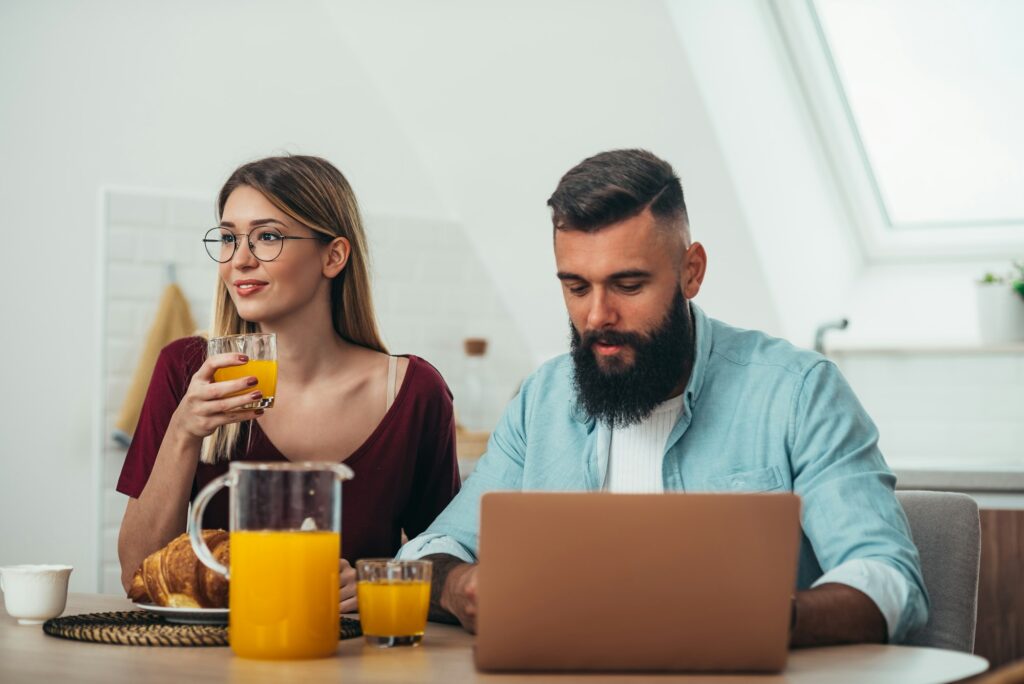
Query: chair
{"x": 946, "y": 528}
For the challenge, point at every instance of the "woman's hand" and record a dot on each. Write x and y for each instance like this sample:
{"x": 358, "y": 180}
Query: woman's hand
{"x": 347, "y": 580}
{"x": 207, "y": 405}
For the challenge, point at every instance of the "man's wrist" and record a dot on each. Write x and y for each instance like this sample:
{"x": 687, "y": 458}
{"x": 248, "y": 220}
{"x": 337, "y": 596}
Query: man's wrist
{"x": 440, "y": 599}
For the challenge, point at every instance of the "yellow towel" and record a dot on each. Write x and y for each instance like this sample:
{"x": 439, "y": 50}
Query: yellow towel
{"x": 173, "y": 321}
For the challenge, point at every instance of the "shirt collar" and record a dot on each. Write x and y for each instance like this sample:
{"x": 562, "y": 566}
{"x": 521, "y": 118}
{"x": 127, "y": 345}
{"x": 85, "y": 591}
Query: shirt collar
{"x": 701, "y": 356}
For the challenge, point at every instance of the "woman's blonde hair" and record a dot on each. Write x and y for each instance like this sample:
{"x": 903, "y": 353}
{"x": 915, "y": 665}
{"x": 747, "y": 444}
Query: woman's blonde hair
{"x": 313, "y": 192}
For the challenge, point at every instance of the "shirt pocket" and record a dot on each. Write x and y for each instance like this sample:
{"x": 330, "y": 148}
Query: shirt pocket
{"x": 757, "y": 480}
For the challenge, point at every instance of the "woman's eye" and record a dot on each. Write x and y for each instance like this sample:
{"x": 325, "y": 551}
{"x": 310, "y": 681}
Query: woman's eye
{"x": 227, "y": 239}
{"x": 270, "y": 237}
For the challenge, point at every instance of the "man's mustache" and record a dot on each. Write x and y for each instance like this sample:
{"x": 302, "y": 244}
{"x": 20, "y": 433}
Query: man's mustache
{"x": 611, "y": 337}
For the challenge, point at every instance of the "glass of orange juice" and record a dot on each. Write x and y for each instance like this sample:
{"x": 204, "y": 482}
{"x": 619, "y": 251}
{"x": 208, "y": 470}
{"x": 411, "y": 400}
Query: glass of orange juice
{"x": 261, "y": 348}
{"x": 285, "y": 543}
{"x": 394, "y": 597}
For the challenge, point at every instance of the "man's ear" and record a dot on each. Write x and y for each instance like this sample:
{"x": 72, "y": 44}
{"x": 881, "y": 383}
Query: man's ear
{"x": 336, "y": 257}
{"x": 695, "y": 264}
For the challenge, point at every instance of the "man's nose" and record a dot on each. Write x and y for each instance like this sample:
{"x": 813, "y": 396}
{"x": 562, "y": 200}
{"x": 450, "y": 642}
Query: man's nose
{"x": 601, "y": 314}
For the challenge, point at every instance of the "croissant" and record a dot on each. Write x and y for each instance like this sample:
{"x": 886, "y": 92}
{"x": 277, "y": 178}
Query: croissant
{"x": 174, "y": 577}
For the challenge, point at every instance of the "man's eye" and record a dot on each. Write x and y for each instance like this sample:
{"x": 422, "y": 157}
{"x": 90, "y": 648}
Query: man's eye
{"x": 578, "y": 290}
{"x": 630, "y": 288}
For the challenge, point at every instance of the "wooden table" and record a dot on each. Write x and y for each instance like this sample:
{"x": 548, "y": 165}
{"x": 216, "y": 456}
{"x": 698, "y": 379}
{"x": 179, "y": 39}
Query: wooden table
{"x": 29, "y": 655}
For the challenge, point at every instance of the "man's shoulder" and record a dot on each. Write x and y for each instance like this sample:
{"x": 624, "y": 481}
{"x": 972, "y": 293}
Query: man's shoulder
{"x": 552, "y": 382}
{"x": 745, "y": 347}
{"x": 557, "y": 369}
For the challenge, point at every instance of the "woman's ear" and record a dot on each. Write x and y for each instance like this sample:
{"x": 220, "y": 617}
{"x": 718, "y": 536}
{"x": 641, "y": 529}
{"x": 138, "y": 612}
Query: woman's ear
{"x": 336, "y": 257}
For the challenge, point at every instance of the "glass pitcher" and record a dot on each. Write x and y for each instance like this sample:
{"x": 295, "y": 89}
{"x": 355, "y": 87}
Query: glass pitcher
{"x": 285, "y": 521}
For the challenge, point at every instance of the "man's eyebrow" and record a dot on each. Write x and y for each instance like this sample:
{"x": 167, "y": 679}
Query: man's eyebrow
{"x": 618, "y": 275}
{"x": 631, "y": 273}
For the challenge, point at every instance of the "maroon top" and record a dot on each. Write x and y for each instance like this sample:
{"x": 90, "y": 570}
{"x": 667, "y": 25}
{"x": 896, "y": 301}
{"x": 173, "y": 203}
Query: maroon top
{"x": 406, "y": 472}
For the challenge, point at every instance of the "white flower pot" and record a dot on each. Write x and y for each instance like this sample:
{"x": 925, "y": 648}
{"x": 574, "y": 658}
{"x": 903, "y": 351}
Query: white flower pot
{"x": 1000, "y": 313}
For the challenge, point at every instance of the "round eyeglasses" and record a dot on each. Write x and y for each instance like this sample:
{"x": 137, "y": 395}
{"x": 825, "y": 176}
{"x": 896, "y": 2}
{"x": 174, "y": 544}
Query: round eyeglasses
{"x": 264, "y": 243}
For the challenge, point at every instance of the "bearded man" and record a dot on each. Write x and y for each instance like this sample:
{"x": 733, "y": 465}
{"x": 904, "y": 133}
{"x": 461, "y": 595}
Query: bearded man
{"x": 656, "y": 396}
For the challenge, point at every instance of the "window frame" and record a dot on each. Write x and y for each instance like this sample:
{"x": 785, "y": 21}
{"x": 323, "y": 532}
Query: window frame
{"x": 883, "y": 241}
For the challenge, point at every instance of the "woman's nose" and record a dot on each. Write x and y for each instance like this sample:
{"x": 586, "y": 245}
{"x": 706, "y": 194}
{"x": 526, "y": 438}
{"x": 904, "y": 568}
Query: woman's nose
{"x": 243, "y": 256}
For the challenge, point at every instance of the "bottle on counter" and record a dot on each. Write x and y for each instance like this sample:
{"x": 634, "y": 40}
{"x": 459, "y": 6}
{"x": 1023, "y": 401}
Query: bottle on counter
{"x": 471, "y": 406}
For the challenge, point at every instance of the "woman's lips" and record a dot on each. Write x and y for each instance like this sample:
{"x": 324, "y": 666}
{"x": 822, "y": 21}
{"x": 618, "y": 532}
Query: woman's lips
{"x": 246, "y": 288}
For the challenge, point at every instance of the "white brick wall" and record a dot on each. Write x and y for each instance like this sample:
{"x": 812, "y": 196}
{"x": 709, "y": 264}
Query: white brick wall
{"x": 145, "y": 233}
{"x": 956, "y": 409}
{"x": 430, "y": 291}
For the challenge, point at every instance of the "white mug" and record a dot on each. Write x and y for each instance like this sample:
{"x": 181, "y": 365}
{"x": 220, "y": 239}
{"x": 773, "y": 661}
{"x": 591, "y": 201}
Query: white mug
{"x": 35, "y": 593}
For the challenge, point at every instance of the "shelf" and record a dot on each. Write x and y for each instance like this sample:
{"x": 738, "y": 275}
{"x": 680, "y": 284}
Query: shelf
{"x": 897, "y": 348}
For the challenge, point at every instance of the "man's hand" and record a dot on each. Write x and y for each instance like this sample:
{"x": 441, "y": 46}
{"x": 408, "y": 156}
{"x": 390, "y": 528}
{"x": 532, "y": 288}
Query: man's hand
{"x": 453, "y": 591}
{"x": 459, "y": 595}
{"x": 836, "y": 614}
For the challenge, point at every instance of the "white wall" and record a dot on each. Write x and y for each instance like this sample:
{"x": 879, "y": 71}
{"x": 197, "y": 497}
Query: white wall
{"x": 152, "y": 95}
{"x": 784, "y": 187}
{"x": 954, "y": 409}
{"x": 447, "y": 113}
{"x": 456, "y": 115}
{"x": 502, "y": 100}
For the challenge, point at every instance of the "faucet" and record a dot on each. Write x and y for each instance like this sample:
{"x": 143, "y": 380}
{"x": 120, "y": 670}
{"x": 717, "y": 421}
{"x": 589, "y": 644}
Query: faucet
{"x": 819, "y": 334}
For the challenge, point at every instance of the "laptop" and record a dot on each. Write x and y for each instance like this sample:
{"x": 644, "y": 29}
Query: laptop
{"x": 636, "y": 582}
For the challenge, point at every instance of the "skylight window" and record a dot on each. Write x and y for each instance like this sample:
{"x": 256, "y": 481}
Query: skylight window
{"x": 935, "y": 93}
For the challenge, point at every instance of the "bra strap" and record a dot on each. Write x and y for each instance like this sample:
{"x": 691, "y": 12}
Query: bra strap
{"x": 392, "y": 377}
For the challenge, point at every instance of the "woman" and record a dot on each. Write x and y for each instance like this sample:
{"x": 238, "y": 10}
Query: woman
{"x": 293, "y": 261}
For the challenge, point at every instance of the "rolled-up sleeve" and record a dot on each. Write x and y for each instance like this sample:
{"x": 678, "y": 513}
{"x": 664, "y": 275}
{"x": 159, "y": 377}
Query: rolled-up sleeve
{"x": 456, "y": 530}
{"x": 850, "y": 510}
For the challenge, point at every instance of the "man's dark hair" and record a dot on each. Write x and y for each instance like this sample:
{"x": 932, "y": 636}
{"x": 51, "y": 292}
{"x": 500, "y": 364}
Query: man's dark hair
{"x": 614, "y": 186}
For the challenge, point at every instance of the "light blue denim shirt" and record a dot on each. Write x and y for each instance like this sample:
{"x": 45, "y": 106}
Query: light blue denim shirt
{"x": 759, "y": 415}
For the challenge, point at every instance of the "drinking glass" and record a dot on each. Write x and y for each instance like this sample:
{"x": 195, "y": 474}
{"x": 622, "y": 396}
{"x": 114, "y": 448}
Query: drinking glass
{"x": 285, "y": 544}
{"x": 394, "y": 597}
{"x": 261, "y": 348}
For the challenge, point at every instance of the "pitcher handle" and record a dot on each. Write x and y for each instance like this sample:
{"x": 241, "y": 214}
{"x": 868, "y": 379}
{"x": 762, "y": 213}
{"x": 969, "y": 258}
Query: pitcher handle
{"x": 195, "y": 531}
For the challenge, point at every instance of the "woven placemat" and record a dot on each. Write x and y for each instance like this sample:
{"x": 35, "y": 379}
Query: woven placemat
{"x": 138, "y": 628}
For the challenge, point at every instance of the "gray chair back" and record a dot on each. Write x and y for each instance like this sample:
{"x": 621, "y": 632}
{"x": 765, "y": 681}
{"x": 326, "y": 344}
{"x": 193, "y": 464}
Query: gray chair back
{"x": 947, "y": 531}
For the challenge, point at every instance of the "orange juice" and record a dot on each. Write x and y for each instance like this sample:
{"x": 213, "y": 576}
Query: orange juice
{"x": 284, "y": 594}
{"x": 264, "y": 371}
{"x": 393, "y": 608}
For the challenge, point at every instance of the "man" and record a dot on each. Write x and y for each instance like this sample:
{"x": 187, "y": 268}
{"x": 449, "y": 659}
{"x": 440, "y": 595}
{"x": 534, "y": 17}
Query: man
{"x": 656, "y": 396}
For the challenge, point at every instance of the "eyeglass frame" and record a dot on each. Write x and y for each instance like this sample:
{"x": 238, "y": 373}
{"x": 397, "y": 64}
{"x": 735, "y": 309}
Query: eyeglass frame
{"x": 252, "y": 247}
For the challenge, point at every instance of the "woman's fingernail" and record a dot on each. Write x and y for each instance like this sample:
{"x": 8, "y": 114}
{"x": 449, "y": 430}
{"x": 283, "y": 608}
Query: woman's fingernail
{"x": 259, "y": 412}
{"x": 252, "y": 381}
{"x": 257, "y": 395}
{"x": 243, "y": 358}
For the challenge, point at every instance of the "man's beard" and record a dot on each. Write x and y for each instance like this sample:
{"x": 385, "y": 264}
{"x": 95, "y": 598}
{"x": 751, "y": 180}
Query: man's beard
{"x": 621, "y": 395}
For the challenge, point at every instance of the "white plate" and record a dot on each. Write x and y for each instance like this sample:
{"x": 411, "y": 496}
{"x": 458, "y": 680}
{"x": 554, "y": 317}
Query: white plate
{"x": 189, "y": 616}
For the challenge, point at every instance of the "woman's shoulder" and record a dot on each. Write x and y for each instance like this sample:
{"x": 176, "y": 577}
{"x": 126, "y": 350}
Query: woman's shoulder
{"x": 425, "y": 380}
{"x": 186, "y": 354}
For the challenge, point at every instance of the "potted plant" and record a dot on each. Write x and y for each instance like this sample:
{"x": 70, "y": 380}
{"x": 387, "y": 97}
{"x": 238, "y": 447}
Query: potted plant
{"x": 1001, "y": 306}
